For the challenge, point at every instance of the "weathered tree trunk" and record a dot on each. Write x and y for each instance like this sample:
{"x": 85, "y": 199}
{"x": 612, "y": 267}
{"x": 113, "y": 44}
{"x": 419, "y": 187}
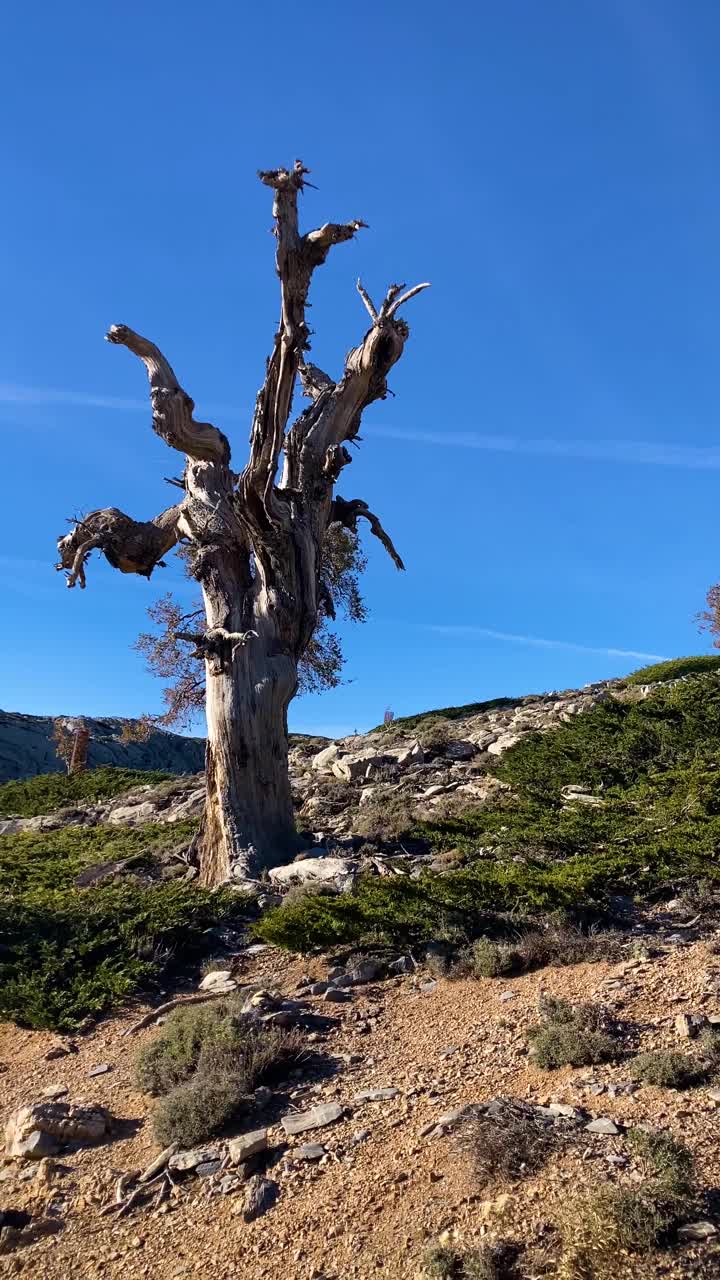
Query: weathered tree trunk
{"x": 254, "y": 539}
{"x": 249, "y": 823}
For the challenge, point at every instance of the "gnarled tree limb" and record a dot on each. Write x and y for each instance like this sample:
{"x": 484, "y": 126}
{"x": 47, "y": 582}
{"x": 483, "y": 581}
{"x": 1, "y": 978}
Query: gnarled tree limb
{"x": 132, "y": 546}
{"x": 296, "y": 259}
{"x": 347, "y": 513}
{"x": 216, "y": 645}
{"x": 172, "y": 408}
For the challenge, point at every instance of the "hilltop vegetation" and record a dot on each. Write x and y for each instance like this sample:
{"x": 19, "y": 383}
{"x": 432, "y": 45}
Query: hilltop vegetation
{"x": 68, "y": 952}
{"x": 647, "y": 821}
{"x": 654, "y": 767}
{"x": 47, "y": 792}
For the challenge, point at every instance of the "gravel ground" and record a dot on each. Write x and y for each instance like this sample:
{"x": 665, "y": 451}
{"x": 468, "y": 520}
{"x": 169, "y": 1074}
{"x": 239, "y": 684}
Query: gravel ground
{"x": 386, "y": 1189}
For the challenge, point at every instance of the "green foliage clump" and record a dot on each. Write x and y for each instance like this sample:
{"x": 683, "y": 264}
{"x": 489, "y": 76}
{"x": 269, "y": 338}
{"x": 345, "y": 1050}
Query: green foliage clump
{"x": 29, "y": 797}
{"x": 486, "y": 959}
{"x": 54, "y": 859}
{"x": 656, "y": 763}
{"x": 570, "y": 1036}
{"x": 665, "y": 1068}
{"x": 406, "y": 725}
{"x": 69, "y": 953}
{"x": 675, "y": 669}
{"x": 489, "y": 1262}
{"x": 557, "y": 944}
{"x": 628, "y": 1220}
{"x": 205, "y": 1064}
{"x": 662, "y": 1158}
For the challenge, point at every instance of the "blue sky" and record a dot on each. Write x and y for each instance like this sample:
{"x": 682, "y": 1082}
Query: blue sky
{"x": 549, "y": 466}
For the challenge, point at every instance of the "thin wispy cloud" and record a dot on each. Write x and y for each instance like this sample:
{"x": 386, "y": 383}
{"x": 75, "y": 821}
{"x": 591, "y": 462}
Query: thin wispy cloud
{"x": 12, "y": 393}
{"x": 539, "y": 642}
{"x": 625, "y": 452}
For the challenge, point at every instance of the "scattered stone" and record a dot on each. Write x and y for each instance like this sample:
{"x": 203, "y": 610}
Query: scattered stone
{"x": 54, "y": 1091}
{"x": 324, "y": 1114}
{"x": 260, "y": 1196}
{"x": 218, "y": 981}
{"x": 340, "y": 870}
{"x": 318, "y": 988}
{"x": 564, "y": 1109}
{"x": 361, "y": 1135}
{"x": 309, "y": 1151}
{"x": 714, "y": 1094}
{"x": 186, "y": 1161}
{"x": 427, "y": 987}
{"x": 366, "y": 971}
{"x": 207, "y": 1168}
{"x": 41, "y": 1128}
{"x": 324, "y": 760}
{"x": 404, "y": 964}
{"x": 689, "y": 1025}
{"x": 101, "y": 1069}
{"x": 602, "y": 1125}
{"x": 335, "y": 996}
{"x": 247, "y": 1145}
{"x": 60, "y": 1051}
{"x": 507, "y": 995}
{"x": 376, "y": 1095}
{"x": 337, "y": 972}
{"x": 697, "y": 1231}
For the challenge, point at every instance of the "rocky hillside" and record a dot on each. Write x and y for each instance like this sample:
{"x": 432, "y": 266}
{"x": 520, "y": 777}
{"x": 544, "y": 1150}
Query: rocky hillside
{"x": 471, "y": 1033}
{"x": 26, "y": 748}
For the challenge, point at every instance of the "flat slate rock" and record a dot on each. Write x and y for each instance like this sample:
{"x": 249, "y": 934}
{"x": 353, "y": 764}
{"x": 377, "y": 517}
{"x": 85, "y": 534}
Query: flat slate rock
{"x": 602, "y": 1125}
{"x": 376, "y": 1095}
{"x": 194, "y": 1156}
{"x": 316, "y": 1118}
{"x": 100, "y": 1070}
{"x": 247, "y": 1145}
{"x": 310, "y": 1151}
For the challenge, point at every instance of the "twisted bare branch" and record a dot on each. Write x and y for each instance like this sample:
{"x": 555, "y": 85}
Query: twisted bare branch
{"x": 347, "y": 513}
{"x": 296, "y": 258}
{"x": 132, "y": 546}
{"x": 172, "y": 408}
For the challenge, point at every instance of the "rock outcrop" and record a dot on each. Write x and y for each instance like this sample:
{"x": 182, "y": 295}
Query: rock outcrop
{"x": 26, "y": 747}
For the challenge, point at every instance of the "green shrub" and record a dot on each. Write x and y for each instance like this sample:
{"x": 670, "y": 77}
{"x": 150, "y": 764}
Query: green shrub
{"x": 68, "y": 953}
{"x": 571, "y": 1036}
{"x": 172, "y": 1056}
{"x": 487, "y": 959}
{"x": 675, "y": 669}
{"x": 611, "y": 1222}
{"x": 197, "y": 1110}
{"x": 29, "y": 797}
{"x": 615, "y": 1221}
{"x": 663, "y": 1159}
{"x": 206, "y": 1062}
{"x": 665, "y": 1068}
{"x": 658, "y": 762}
{"x": 489, "y": 1262}
{"x": 54, "y": 859}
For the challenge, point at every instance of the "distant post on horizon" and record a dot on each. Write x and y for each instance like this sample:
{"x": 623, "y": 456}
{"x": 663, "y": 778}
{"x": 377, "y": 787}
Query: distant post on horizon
{"x": 389, "y": 716}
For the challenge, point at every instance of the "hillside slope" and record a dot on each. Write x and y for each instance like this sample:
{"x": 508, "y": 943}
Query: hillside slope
{"x": 26, "y": 747}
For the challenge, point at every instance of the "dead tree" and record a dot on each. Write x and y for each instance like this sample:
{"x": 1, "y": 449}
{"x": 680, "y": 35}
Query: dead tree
{"x": 254, "y": 538}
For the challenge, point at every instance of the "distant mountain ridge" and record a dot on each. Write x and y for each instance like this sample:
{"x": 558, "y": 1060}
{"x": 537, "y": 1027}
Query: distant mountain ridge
{"x": 26, "y": 747}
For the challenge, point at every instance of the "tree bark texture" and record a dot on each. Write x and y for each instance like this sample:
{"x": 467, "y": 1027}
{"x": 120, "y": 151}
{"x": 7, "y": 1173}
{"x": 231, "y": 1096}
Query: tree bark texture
{"x": 254, "y": 539}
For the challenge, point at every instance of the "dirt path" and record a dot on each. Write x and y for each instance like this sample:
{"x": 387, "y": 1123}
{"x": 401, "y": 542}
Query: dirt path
{"x": 386, "y": 1190}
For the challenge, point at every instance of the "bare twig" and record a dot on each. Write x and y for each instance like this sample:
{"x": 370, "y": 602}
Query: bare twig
{"x": 199, "y": 998}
